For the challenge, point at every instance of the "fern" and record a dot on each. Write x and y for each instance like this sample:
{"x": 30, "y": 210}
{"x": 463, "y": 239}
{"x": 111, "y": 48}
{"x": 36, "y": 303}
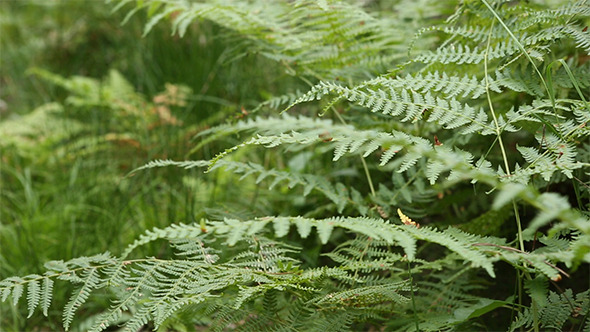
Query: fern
{"x": 555, "y": 310}
{"x": 294, "y": 34}
{"x": 479, "y": 132}
{"x": 168, "y": 285}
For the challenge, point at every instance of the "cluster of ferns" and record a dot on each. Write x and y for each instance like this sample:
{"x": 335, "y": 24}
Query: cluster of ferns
{"x": 431, "y": 160}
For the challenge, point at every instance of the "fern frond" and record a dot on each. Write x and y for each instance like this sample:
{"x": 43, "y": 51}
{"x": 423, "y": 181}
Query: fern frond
{"x": 163, "y": 163}
{"x": 402, "y": 235}
{"x": 463, "y": 54}
{"x": 346, "y": 140}
{"x": 309, "y": 182}
{"x": 368, "y": 295}
{"x": 294, "y": 33}
{"x": 581, "y": 38}
{"x": 275, "y": 103}
{"x": 436, "y": 295}
{"x": 555, "y": 310}
{"x": 408, "y": 103}
{"x": 556, "y": 26}
{"x": 520, "y": 80}
{"x": 90, "y": 280}
{"x": 558, "y": 309}
{"x": 333, "y": 320}
{"x": 475, "y": 33}
{"x": 558, "y": 156}
{"x": 46, "y": 294}
{"x": 449, "y": 86}
{"x": 33, "y": 296}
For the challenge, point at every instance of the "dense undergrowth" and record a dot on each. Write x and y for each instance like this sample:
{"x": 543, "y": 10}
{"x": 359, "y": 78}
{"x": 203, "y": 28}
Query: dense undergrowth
{"x": 407, "y": 165}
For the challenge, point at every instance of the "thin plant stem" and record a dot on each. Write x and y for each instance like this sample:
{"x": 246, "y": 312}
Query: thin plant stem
{"x": 521, "y": 47}
{"x": 412, "y": 295}
{"x": 364, "y": 163}
{"x": 499, "y": 134}
{"x": 504, "y": 155}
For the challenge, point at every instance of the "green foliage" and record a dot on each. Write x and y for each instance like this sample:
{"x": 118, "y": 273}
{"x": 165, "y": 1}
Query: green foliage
{"x": 555, "y": 309}
{"x": 295, "y": 34}
{"x": 478, "y": 133}
{"x": 63, "y": 158}
{"x": 255, "y": 265}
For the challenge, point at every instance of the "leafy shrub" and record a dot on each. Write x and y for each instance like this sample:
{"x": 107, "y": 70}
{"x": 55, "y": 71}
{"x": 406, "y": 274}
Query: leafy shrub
{"x": 459, "y": 164}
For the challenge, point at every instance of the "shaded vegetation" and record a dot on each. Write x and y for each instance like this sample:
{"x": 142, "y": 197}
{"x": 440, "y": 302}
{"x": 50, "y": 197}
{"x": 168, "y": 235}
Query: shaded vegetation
{"x": 330, "y": 172}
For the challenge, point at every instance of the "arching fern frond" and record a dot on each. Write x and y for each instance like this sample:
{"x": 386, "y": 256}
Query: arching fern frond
{"x": 448, "y": 85}
{"x": 405, "y": 104}
{"x": 156, "y": 288}
{"x": 344, "y": 140}
{"x": 380, "y": 230}
{"x": 309, "y": 182}
{"x": 293, "y": 33}
{"x": 522, "y": 21}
